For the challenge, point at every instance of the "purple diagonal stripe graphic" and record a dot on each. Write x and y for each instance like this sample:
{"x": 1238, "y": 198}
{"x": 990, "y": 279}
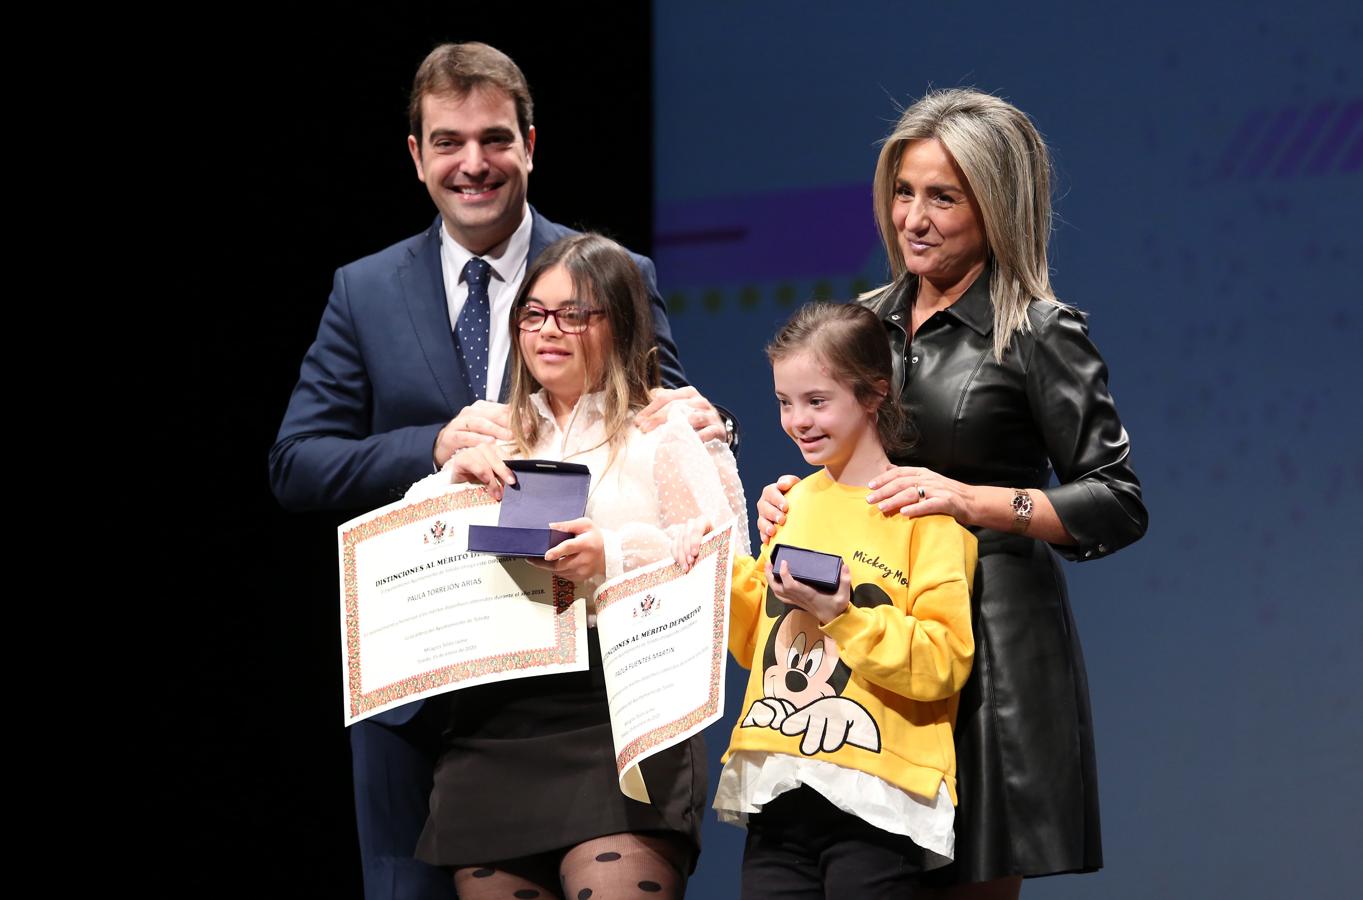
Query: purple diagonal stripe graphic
{"x": 813, "y": 233}
{"x": 1272, "y": 139}
{"x": 1235, "y": 150}
{"x": 1334, "y": 141}
{"x": 1355, "y": 154}
{"x": 1296, "y": 151}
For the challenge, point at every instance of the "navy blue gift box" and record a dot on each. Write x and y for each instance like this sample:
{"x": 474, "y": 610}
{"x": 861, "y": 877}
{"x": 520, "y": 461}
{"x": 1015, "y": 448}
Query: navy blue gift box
{"x": 815, "y": 568}
{"x": 545, "y": 491}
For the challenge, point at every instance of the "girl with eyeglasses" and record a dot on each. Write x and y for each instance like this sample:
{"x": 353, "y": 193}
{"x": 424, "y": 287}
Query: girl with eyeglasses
{"x": 526, "y": 800}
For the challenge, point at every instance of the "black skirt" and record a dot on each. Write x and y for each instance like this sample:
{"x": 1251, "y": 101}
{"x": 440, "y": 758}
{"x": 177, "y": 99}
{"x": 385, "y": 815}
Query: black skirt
{"x": 1027, "y": 773}
{"x": 529, "y": 767}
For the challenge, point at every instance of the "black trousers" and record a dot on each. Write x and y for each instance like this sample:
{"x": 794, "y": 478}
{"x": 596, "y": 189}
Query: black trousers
{"x": 801, "y": 846}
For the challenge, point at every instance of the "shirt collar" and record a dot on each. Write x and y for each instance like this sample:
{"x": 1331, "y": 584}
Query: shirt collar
{"x": 506, "y": 259}
{"x": 974, "y": 308}
{"x": 590, "y": 406}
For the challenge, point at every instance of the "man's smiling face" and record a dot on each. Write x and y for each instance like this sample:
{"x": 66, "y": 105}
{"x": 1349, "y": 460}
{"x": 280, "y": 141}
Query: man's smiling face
{"x": 475, "y": 164}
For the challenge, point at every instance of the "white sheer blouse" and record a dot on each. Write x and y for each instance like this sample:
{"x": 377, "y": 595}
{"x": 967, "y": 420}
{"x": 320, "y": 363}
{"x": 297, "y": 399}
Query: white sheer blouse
{"x": 654, "y": 485}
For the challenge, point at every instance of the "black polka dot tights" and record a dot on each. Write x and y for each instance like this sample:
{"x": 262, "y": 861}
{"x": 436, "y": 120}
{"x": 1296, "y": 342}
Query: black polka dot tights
{"x": 614, "y": 867}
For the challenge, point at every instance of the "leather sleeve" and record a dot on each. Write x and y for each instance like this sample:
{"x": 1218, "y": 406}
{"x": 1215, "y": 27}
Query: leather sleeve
{"x": 1099, "y": 497}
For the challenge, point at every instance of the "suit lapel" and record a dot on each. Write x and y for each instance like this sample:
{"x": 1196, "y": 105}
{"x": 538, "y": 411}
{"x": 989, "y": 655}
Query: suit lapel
{"x": 423, "y": 290}
{"x": 542, "y": 234}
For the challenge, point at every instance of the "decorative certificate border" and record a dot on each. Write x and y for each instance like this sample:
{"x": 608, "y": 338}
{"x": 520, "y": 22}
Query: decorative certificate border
{"x": 716, "y": 544}
{"x": 562, "y": 651}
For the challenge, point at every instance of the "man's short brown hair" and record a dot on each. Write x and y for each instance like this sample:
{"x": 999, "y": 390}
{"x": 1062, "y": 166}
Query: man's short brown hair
{"x": 459, "y": 69}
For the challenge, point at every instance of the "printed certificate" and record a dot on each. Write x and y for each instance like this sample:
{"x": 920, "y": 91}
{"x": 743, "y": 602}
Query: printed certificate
{"x": 420, "y": 615}
{"x": 664, "y": 636}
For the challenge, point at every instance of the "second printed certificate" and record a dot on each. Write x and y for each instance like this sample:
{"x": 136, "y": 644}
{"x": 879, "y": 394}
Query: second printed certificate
{"x": 664, "y": 636}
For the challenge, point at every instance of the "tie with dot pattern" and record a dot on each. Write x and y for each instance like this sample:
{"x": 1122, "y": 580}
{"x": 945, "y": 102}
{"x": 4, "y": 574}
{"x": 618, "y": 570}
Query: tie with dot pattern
{"x": 471, "y": 331}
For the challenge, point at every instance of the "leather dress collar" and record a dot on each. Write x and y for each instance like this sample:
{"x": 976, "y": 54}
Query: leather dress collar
{"x": 974, "y": 308}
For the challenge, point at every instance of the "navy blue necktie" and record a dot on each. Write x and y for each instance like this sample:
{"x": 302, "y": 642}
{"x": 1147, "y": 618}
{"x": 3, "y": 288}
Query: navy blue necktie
{"x": 471, "y": 331}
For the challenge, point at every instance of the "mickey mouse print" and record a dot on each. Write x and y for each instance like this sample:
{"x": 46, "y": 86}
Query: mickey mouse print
{"x": 803, "y": 678}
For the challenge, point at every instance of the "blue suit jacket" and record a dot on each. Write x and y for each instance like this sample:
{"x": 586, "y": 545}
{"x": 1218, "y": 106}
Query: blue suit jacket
{"x": 384, "y": 376}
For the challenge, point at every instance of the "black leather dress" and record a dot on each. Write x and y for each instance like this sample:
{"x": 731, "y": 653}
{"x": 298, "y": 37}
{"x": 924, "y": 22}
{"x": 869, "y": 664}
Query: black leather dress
{"x": 1026, "y": 769}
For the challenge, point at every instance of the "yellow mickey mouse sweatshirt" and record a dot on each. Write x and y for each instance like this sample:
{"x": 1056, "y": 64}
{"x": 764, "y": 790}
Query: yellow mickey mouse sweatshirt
{"x": 875, "y": 689}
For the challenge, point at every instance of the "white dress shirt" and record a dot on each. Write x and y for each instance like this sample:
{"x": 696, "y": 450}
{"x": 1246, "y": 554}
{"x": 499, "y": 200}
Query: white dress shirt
{"x": 508, "y": 261}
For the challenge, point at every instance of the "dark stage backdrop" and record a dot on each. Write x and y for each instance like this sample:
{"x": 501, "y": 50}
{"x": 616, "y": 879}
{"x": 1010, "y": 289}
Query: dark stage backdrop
{"x": 1208, "y": 196}
{"x": 1209, "y": 221}
{"x": 297, "y": 166}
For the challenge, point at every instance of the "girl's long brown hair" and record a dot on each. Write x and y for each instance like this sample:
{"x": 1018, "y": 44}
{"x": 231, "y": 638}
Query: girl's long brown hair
{"x": 604, "y": 277}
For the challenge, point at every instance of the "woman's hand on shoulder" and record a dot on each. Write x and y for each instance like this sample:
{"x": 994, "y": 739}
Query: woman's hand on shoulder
{"x": 915, "y": 491}
{"x": 580, "y": 557}
{"x": 771, "y": 506}
{"x": 824, "y": 607}
{"x": 484, "y": 465}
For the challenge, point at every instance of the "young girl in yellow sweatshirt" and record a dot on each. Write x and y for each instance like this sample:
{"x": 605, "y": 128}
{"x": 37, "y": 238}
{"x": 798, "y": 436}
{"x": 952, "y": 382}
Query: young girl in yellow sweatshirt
{"x": 842, "y": 764}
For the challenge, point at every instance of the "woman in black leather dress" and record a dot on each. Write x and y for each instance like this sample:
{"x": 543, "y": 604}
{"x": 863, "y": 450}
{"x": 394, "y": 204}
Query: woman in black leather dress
{"x": 1001, "y": 385}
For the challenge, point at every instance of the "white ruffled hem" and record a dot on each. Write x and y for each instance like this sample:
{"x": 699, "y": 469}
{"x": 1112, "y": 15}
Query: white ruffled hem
{"x": 751, "y": 780}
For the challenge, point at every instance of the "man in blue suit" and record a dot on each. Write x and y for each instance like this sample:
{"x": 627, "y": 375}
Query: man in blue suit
{"x": 394, "y": 384}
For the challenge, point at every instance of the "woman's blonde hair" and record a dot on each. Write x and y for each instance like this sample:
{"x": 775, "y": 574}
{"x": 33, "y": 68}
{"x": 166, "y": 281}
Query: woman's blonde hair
{"x": 604, "y": 277}
{"x": 1006, "y": 162}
